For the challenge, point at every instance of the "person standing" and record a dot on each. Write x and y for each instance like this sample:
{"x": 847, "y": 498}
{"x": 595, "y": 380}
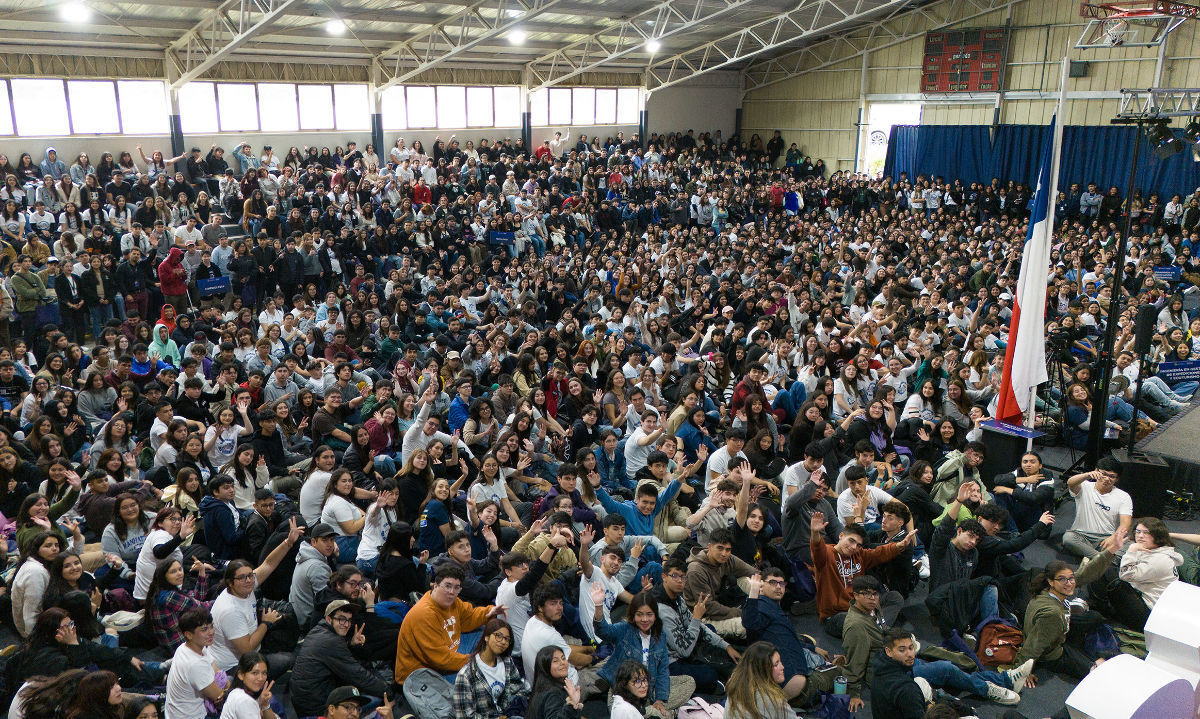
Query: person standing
{"x": 31, "y": 292}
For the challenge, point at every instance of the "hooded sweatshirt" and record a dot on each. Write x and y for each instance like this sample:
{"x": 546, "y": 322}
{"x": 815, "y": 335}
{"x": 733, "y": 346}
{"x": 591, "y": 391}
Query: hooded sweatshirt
{"x": 1151, "y": 571}
{"x": 706, "y": 577}
{"x": 311, "y": 576}
{"x": 55, "y": 168}
{"x": 172, "y": 275}
{"x": 222, "y": 530}
{"x": 834, "y": 573}
{"x": 167, "y": 351}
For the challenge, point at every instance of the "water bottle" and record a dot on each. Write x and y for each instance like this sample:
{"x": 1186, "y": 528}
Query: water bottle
{"x": 839, "y": 685}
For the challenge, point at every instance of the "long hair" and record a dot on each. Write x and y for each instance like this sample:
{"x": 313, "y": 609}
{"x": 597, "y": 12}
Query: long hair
{"x": 753, "y": 678}
{"x": 47, "y": 697}
{"x": 1158, "y": 531}
{"x": 159, "y": 581}
{"x": 542, "y": 680}
{"x": 245, "y": 665}
{"x": 33, "y": 548}
{"x": 119, "y": 527}
{"x": 643, "y": 599}
{"x": 91, "y": 700}
{"x": 45, "y": 628}
{"x": 627, "y": 672}
{"x": 1041, "y": 579}
{"x": 494, "y": 625}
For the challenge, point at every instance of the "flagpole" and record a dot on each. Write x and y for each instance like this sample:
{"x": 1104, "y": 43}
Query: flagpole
{"x": 1055, "y": 162}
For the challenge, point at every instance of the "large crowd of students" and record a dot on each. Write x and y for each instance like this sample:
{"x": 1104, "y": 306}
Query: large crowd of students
{"x": 594, "y": 423}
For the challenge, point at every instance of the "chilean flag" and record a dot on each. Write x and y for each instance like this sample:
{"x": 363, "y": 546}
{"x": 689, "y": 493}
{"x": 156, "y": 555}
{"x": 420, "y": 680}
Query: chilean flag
{"x": 1025, "y": 356}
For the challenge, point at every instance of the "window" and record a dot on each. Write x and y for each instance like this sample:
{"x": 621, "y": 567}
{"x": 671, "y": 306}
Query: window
{"x": 237, "y": 107}
{"x": 421, "y": 110}
{"x": 40, "y": 107}
{"x": 143, "y": 105}
{"x": 6, "y": 123}
{"x": 606, "y": 107}
{"x": 392, "y": 107}
{"x": 277, "y": 107}
{"x": 537, "y": 107}
{"x": 583, "y": 106}
{"x": 451, "y": 106}
{"x": 316, "y": 107}
{"x": 628, "y": 106}
{"x": 479, "y": 107}
{"x": 508, "y": 106}
{"x": 560, "y": 106}
{"x": 93, "y": 107}
{"x": 198, "y": 107}
{"x": 351, "y": 108}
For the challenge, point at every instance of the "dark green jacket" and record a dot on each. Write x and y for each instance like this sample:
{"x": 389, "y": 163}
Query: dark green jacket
{"x": 861, "y": 638}
{"x": 1047, "y": 619}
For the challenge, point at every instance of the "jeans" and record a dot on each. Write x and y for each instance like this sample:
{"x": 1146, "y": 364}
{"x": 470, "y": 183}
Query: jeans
{"x": 989, "y": 603}
{"x": 385, "y": 464}
{"x": 367, "y": 567}
{"x": 650, "y": 569}
{"x": 539, "y": 245}
{"x": 945, "y": 675}
{"x": 100, "y": 315}
{"x": 347, "y": 548}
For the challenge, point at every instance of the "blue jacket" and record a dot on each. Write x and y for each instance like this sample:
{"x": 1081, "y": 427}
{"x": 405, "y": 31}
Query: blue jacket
{"x": 691, "y": 437}
{"x": 765, "y": 620}
{"x": 220, "y": 534}
{"x": 459, "y": 413}
{"x": 612, "y": 473}
{"x": 636, "y": 523}
{"x": 627, "y": 645}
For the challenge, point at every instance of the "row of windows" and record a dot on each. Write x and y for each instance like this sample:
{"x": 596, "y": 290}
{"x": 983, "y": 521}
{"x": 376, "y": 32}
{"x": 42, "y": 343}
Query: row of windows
{"x": 40, "y": 107}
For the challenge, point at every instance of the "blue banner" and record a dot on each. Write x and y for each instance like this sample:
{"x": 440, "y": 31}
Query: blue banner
{"x": 214, "y": 286}
{"x": 503, "y": 238}
{"x": 1012, "y": 429}
{"x": 1172, "y": 372}
{"x": 1170, "y": 273}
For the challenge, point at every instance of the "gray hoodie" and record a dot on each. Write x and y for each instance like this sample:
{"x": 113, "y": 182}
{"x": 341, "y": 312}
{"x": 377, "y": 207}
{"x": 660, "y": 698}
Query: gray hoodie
{"x": 311, "y": 576}
{"x": 55, "y": 168}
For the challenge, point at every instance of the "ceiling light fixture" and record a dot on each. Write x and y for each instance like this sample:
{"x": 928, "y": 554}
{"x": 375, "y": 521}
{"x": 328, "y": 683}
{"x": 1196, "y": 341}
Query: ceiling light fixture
{"x": 516, "y": 36}
{"x": 75, "y": 12}
{"x": 653, "y": 45}
{"x": 514, "y": 12}
{"x": 336, "y": 26}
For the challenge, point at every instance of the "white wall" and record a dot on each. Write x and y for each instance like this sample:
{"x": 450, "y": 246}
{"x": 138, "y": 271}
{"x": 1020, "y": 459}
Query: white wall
{"x": 707, "y": 103}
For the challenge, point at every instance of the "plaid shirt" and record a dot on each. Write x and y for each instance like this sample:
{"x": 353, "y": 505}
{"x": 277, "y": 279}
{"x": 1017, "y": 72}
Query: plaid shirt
{"x": 169, "y": 605}
{"x": 473, "y": 696}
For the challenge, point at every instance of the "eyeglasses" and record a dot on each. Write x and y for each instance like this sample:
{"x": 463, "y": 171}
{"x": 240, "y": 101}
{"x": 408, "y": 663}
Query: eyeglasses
{"x": 776, "y": 582}
{"x": 69, "y": 625}
{"x": 350, "y": 708}
{"x": 244, "y": 577}
{"x": 354, "y": 583}
{"x": 341, "y": 620}
{"x": 867, "y": 595}
{"x": 503, "y": 637}
{"x": 1065, "y": 580}
{"x": 452, "y": 588}
{"x": 641, "y": 681}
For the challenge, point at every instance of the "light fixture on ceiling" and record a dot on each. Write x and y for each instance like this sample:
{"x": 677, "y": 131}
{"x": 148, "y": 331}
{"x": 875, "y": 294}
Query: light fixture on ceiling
{"x": 514, "y": 12}
{"x": 336, "y": 26}
{"x": 75, "y": 11}
{"x": 516, "y": 36}
{"x": 653, "y": 45}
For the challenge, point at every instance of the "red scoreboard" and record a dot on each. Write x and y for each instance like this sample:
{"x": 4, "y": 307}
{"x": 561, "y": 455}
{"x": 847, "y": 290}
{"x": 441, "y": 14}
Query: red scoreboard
{"x": 968, "y": 60}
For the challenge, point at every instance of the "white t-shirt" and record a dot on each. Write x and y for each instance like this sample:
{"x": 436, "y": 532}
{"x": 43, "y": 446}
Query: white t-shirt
{"x": 1100, "y": 513}
{"x": 338, "y": 510}
{"x": 635, "y": 454}
{"x": 222, "y": 451}
{"x": 233, "y": 618}
{"x": 146, "y": 562}
{"x": 496, "y": 676}
{"x": 374, "y": 532}
{"x": 587, "y": 610}
{"x": 539, "y": 634}
{"x": 496, "y": 492}
{"x": 517, "y": 610}
{"x": 311, "y": 494}
{"x": 240, "y": 705}
{"x": 190, "y": 672}
{"x": 846, "y": 500}
{"x": 718, "y": 464}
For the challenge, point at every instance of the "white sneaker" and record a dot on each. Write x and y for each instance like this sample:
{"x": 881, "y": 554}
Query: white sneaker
{"x": 923, "y": 570}
{"x": 1019, "y": 674}
{"x": 1000, "y": 695}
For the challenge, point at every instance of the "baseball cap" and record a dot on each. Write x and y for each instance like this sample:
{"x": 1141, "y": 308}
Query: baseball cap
{"x": 51, "y": 258}
{"x": 321, "y": 529}
{"x": 341, "y": 604}
{"x": 345, "y": 694}
{"x": 453, "y": 354}
{"x": 1005, "y": 296}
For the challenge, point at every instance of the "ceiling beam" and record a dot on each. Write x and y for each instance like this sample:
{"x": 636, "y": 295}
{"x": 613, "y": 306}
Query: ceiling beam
{"x": 900, "y": 27}
{"x": 460, "y": 32}
{"x": 232, "y": 24}
{"x": 807, "y": 20}
{"x": 629, "y": 35}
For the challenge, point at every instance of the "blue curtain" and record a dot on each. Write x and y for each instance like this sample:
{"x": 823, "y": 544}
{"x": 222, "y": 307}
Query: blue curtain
{"x": 1090, "y": 154}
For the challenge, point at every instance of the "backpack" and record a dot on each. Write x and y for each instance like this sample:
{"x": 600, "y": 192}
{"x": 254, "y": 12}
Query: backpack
{"x": 998, "y": 644}
{"x": 429, "y": 695}
{"x": 1101, "y": 642}
{"x": 697, "y": 708}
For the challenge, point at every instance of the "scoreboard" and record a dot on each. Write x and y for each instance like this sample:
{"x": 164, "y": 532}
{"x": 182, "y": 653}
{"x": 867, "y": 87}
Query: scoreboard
{"x": 968, "y": 60}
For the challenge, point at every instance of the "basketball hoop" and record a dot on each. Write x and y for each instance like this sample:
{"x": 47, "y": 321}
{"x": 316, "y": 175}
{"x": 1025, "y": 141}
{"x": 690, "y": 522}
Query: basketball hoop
{"x": 1131, "y": 23}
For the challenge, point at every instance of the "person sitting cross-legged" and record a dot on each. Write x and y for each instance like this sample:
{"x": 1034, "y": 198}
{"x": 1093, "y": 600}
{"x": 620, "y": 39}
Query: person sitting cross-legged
{"x": 325, "y": 661}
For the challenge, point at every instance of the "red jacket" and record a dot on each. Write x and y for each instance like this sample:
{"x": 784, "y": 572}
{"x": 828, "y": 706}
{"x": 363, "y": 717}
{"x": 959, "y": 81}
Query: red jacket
{"x": 834, "y": 573}
{"x": 172, "y": 274}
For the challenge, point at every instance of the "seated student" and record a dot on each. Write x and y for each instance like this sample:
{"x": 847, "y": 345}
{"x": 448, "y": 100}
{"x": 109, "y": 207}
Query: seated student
{"x": 1048, "y": 616}
{"x": 568, "y": 481}
{"x": 863, "y": 637}
{"x": 1149, "y": 566}
{"x": 313, "y": 567}
{"x": 694, "y": 648}
{"x": 347, "y": 583}
{"x": 520, "y": 579}
{"x": 864, "y": 458}
{"x": 222, "y": 520}
{"x": 534, "y": 542}
{"x": 260, "y": 523}
{"x": 547, "y": 603}
{"x": 754, "y": 688}
{"x": 648, "y": 502}
{"x": 553, "y": 694}
{"x": 432, "y": 631}
{"x": 765, "y": 619}
{"x": 958, "y": 469}
{"x": 859, "y": 503}
{"x": 614, "y": 535}
{"x": 717, "y": 509}
{"x": 670, "y": 524}
{"x": 708, "y": 568}
{"x": 895, "y": 524}
{"x": 835, "y": 567}
{"x": 952, "y": 552}
{"x": 614, "y": 573}
{"x": 193, "y": 674}
{"x": 1101, "y": 509}
{"x": 914, "y": 491}
{"x": 1026, "y": 493}
{"x": 325, "y": 660}
{"x": 639, "y": 638}
{"x": 348, "y": 703}
{"x": 481, "y": 576}
{"x": 997, "y": 546}
{"x": 489, "y": 683}
{"x": 96, "y": 505}
{"x": 895, "y": 694}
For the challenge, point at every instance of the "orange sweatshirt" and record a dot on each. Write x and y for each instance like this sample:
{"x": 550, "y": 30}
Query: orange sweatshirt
{"x": 429, "y": 636}
{"x": 834, "y": 573}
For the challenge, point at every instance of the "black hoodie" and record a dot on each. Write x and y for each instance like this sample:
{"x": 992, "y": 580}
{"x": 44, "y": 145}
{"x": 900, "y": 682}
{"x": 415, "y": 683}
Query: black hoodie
{"x": 894, "y": 692}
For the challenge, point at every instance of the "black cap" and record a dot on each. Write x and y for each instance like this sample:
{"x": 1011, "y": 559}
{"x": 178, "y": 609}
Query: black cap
{"x": 321, "y": 529}
{"x": 345, "y": 694}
